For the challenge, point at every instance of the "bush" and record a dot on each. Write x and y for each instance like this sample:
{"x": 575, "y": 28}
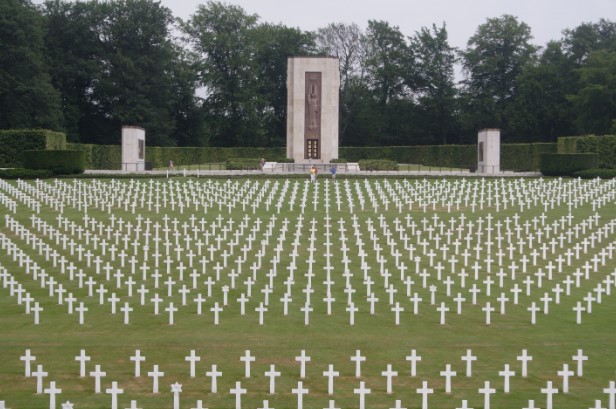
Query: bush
{"x": 284, "y": 160}
{"x": 339, "y": 160}
{"x": 596, "y": 173}
{"x": 524, "y": 156}
{"x": 603, "y": 146}
{"x": 243, "y": 164}
{"x": 106, "y": 157}
{"x": 22, "y": 173}
{"x": 59, "y": 162}
{"x": 377, "y": 164}
{"x": 14, "y": 141}
{"x": 566, "y": 164}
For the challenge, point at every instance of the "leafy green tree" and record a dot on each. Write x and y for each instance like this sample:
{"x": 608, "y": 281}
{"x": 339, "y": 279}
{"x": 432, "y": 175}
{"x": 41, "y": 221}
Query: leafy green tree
{"x": 345, "y": 41}
{"x": 433, "y": 80}
{"x": 386, "y": 60}
{"x": 541, "y": 110}
{"x": 595, "y": 101}
{"x": 586, "y": 38}
{"x": 74, "y": 51}
{"x": 495, "y": 56}
{"x": 27, "y": 97}
{"x": 136, "y": 85}
{"x": 115, "y": 63}
{"x": 273, "y": 45}
{"x": 221, "y": 36}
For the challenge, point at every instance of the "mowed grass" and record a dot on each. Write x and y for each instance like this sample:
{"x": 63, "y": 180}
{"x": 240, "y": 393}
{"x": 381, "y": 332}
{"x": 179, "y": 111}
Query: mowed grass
{"x": 328, "y": 339}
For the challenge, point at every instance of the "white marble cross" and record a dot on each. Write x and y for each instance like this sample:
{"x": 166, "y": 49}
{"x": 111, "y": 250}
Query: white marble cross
{"x": 114, "y": 391}
{"x": 358, "y": 359}
{"x": 27, "y": 358}
{"x": 214, "y": 374}
{"x": 362, "y": 391}
{"x": 82, "y": 358}
{"x": 247, "y": 359}
{"x": 192, "y": 358}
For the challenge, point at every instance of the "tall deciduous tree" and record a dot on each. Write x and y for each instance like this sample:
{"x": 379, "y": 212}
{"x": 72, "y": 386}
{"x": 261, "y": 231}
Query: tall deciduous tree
{"x": 273, "y": 45}
{"x": 595, "y": 101}
{"x": 27, "y": 97}
{"x": 221, "y": 36}
{"x": 541, "y": 110}
{"x": 433, "y": 80}
{"x": 345, "y": 41}
{"x": 136, "y": 85}
{"x": 494, "y": 58}
{"x": 74, "y": 51}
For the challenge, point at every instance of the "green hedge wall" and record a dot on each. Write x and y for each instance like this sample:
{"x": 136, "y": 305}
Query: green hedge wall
{"x": 513, "y": 156}
{"x": 60, "y": 162}
{"x": 433, "y": 155}
{"x": 14, "y": 141}
{"x": 243, "y": 164}
{"x": 107, "y": 157}
{"x": 524, "y": 156}
{"x": 566, "y": 164}
{"x": 567, "y": 144}
{"x": 160, "y": 156}
{"x": 377, "y": 164}
{"x": 603, "y": 146}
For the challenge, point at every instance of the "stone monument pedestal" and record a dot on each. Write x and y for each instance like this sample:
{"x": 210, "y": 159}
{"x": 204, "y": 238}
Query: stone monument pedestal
{"x": 313, "y": 85}
{"x": 488, "y": 151}
{"x": 133, "y": 148}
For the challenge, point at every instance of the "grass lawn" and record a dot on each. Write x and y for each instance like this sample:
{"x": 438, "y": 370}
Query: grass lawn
{"x": 269, "y": 240}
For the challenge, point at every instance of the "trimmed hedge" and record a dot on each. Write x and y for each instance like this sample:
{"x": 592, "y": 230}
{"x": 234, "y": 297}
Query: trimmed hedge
{"x": 603, "y": 146}
{"x": 106, "y": 157}
{"x": 377, "y": 164}
{"x": 596, "y": 173}
{"x": 14, "y": 141}
{"x": 21, "y": 173}
{"x": 339, "y": 160}
{"x": 566, "y": 164}
{"x": 243, "y": 164}
{"x": 524, "y": 156}
{"x": 63, "y": 162}
{"x": 567, "y": 144}
{"x": 160, "y": 156}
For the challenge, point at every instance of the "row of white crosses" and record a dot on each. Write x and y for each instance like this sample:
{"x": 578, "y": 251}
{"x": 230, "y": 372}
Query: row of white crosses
{"x": 388, "y": 234}
{"x": 605, "y": 253}
{"x": 566, "y": 374}
{"x": 476, "y": 194}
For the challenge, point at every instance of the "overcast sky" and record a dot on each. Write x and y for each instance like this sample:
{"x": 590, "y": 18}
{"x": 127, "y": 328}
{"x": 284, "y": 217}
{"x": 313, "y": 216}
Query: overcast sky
{"x": 547, "y": 18}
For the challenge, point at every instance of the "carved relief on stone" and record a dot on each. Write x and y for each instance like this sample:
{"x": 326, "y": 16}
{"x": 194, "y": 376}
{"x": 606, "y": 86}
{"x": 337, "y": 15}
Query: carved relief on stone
{"x": 313, "y": 103}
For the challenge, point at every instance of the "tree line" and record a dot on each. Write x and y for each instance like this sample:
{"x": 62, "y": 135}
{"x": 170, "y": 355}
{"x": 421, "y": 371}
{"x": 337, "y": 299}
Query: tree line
{"x": 219, "y": 77}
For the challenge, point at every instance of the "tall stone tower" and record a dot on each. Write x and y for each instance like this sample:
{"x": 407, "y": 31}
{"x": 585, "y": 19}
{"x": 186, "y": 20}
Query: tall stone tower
{"x": 313, "y": 85}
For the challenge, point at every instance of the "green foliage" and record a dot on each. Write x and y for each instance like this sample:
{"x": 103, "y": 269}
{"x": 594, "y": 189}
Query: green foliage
{"x": 566, "y": 164}
{"x": 21, "y": 173}
{"x": 27, "y": 96}
{"x": 160, "y": 156}
{"x": 284, "y": 160}
{"x": 596, "y": 173}
{"x": 377, "y": 164}
{"x": 14, "y": 141}
{"x": 433, "y": 155}
{"x": 243, "y": 164}
{"x": 60, "y": 162}
{"x": 568, "y": 144}
{"x": 494, "y": 59}
{"x": 105, "y": 157}
{"x": 524, "y": 156}
{"x": 595, "y": 101}
{"x": 339, "y": 160}
{"x": 603, "y": 146}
